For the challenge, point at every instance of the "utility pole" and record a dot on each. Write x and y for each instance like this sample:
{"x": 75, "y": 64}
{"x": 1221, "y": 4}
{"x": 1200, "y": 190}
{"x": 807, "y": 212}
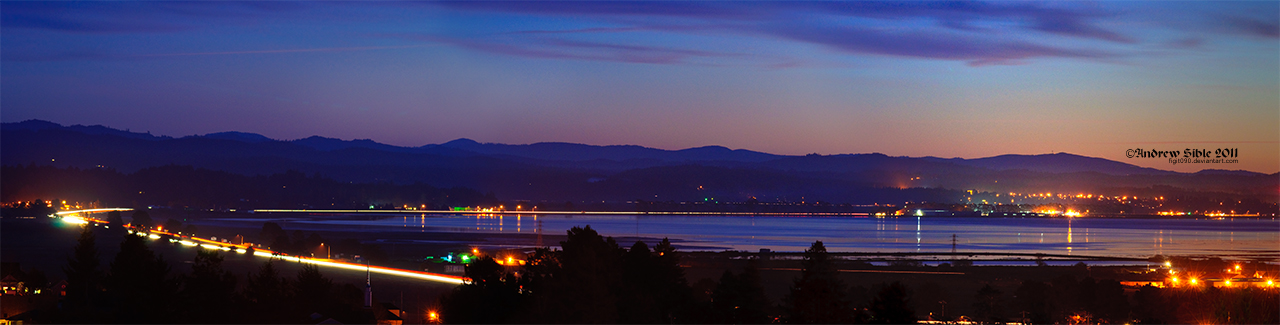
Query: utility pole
{"x": 368, "y": 286}
{"x": 953, "y": 244}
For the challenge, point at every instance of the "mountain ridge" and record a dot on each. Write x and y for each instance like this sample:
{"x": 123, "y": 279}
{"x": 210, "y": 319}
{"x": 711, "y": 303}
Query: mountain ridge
{"x": 575, "y": 152}
{"x": 596, "y": 173}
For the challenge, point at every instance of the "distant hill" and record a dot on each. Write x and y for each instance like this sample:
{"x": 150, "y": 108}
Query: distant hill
{"x": 566, "y": 171}
{"x": 1056, "y": 163}
{"x": 560, "y": 151}
{"x": 238, "y": 136}
{"x": 37, "y": 125}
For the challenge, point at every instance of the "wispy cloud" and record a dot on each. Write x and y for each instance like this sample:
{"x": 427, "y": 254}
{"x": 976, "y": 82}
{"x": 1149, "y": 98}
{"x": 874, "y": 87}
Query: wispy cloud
{"x": 582, "y": 50}
{"x": 1255, "y": 27}
{"x": 977, "y": 33}
{"x": 692, "y": 9}
{"x": 966, "y": 15}
{"x": 976, "y": 51}
{"x": 327, "y": 49}
{"x": 131, "y": 17}
{"x": 958, "y": 31}
{"x": 93, "y": 55}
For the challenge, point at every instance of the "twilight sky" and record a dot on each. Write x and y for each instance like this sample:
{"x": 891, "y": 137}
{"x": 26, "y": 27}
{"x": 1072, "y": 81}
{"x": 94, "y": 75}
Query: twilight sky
{"x": 963, "y": 79}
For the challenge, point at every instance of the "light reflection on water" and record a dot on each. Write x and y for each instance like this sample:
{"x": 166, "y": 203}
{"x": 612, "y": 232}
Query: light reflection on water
{"x": 1081, "y": 236}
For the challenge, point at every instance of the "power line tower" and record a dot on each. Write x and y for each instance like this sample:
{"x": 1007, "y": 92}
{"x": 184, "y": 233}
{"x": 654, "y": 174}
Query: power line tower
{"x": 539, "y": 222}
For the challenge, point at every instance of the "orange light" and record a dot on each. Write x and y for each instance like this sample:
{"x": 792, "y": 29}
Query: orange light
{"x": 510, "y": 260}
{"x": 1193, "y": 280}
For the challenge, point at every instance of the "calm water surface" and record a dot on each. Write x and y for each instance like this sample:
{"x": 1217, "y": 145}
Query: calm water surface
{"x": 1076, "y": 236}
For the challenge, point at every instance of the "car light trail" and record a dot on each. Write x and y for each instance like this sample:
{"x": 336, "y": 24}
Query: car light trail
{"x": 69, "y": 217}
{"x": 209, "y": 244}
{"x": 63, "y": 213}
{"x": 74, "y": 220}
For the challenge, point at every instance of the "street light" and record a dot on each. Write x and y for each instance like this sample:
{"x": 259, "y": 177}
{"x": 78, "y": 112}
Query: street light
{"x": 328, "y": 252}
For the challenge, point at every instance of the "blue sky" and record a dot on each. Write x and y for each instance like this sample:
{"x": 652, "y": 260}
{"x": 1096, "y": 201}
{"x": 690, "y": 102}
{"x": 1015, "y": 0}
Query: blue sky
{"x": 949, "y": 79}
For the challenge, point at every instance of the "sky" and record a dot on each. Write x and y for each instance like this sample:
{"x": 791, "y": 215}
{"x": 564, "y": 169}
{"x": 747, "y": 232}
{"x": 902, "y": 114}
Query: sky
{"x": 944, "y": 79}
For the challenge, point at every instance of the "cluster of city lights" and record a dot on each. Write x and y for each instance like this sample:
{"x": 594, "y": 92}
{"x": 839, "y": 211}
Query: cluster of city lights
{"x": 1230, "y": 281}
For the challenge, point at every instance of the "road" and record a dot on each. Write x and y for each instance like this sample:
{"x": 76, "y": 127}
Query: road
{"x": 84, "y": 217}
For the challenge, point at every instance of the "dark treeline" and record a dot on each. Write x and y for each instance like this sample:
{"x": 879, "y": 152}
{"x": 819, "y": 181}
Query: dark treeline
{"x": 299, "y": 243}
{"x": 593, "y": 280}
{"x": 138, "y": 286}
{"x": 172, "y": 186}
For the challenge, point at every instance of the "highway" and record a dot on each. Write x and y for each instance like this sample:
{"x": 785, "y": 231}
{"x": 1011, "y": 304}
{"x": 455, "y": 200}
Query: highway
{"x": 84, "y": 217}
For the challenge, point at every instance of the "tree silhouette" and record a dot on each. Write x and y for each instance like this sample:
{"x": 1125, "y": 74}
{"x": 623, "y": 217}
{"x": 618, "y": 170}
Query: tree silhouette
{"x": 819, "y": 296}
{"x": 312, "y": 290}
{"x": 986, "y": 304}
{"x": 1150, "y": 306}
{"x": 114, "y": 218}
{"x": 590, "y": 267}
{"x": 172, "y": 225}
{"x": 84, "y": 280}
{"x": 141, "y": 219}
{"x": 267, "y": 294}
{"x": 1109, "y": 303}
{"x": 892, "y": 305}
{"x": 139, "y": 284}
{"x": 1034, "y": 298}
{"x": 740, "y": 299}
{"x": 638, "y": 301}
{"x": 209, "y": 292}
{"x": 673, "y": 289}
{"x": 492, "y": 296}
{"x": 653, "y": 289}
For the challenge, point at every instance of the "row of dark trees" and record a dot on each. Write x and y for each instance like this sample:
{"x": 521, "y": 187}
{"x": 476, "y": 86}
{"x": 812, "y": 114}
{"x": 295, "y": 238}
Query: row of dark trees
{"x": 276, "y": 238}
{"x": 593, "y": 280}
{"x": 138, "y": 286}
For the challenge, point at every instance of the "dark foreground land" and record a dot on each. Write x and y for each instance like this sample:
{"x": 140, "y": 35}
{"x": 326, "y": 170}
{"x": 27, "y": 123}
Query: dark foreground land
{"x": 707, "y": 281}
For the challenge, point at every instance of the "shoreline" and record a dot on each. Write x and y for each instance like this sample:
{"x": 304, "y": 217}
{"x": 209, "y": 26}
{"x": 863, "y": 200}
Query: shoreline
{"x": 728, "y": 214}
